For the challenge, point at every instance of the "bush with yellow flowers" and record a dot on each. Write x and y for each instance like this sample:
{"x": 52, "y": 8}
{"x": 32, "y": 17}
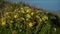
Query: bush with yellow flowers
{"x": 24, "y": 19}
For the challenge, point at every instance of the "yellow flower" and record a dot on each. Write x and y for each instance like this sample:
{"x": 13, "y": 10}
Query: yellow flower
{"x": 40, "y": 20}
{"x": 28, "y": 10}
{"x": 46, "y": 17}
{"x": 32, "y": 13}
{"x": 30, "y": 24}
{"x": 28, "y": 16}
{"x": 43, "y": 19}
{"x": 22, "y": 11}
{"x": 7, "y": 13}
{"x": 3, "y": 23}
{"x": 21, "y": 8}
{"x": 11, "y": 21}
{"x": 37, "y": 16}
{"x": 27, "y": 19}
{"x": 15, "y": 16}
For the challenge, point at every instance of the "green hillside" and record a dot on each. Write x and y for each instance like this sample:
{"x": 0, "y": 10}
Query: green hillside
{"x": 20, "y": 18}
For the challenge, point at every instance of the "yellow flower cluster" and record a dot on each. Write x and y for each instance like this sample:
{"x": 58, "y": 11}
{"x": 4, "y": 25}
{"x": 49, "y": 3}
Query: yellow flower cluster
{"x": 15, "y": 16}
{"x": 11, "y": 21}
{"x": 44, "y": 18}
{"x": 28, "y": 16}
{"x": 40, "y": 20}
{"x": 30, "y": 24}
{"x": 32, "y": 13}
{"x": 37, "y": 16}
{"x": 24, "y": 14}
{"x": 3, "y": 21}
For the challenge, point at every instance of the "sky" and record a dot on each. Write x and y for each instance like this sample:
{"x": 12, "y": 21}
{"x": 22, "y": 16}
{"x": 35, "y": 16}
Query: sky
{"x": 45, "y": 4}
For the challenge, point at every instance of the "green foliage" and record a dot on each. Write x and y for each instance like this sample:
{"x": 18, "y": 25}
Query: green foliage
{"x": 23, "y": 19}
